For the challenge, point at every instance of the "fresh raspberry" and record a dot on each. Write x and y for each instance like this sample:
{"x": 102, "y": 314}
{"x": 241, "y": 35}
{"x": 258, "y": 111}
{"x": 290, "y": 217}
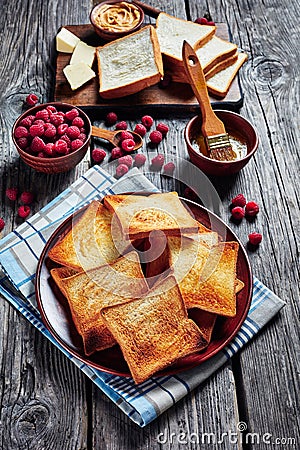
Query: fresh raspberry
{"x": 121, "y": 170}
{"x": 238, "y": 212}
{"x": 27, "y": 121}
{"x": 39, "y": 122}
{"x": 255, "y": 238}
{"x": 76, "y": 144}
{"x": 211, "y": 23}
{"x": 163, "y": 128}
{"x": 128, "y": 145}
{"x": 78, "y": 122}
{"x": 70, "y": 115}
{"x": 239, "y": 200}
{"x": 27, "y": 197}
{"x": 116, "y": 153}
{"x": 201, "y": 20}
{"x": 157, "y": 162}
{"x": 36, "y": 130}
{"x": 23, "y": 211}
{"x": 127, "y": 160}
{"x": 41, "y": 155}
{"x": 111, "y": 118}
{"x": 56, "y": 119}
{"x": 169, "y": 168}
{"x": 73, "y": 132}
{"x": 32, "y": 99}
{"x": 165, "y": 81}
{"x": 98, "y": 154}
{"x": 140, "y": 129}
{"x": 83, "y": 130}
{"x": 61, "y": 129}
{"x": 37, "y": 144}
{"x": 2, "y": 224}
{"x": 66, "y": 138}
{"x": 147, "y": 121}
{"x": 21, "y": 132}
{"x": 251, "y": 209}
{"x": 82, "y": 137}
{"x": 23, "y": 142}
{"x": 11, "y": 193}
{"x": 139, "y": 160}
{"x": 61, "y": 147}
{"x": 49, "y": 149}
{"x": 125, "y": 135}
{"x": 121, "y": 125}
{"x": 51, "y": 109}
{"x": 42, "y": 114}
{"x": 155, "y": 137}
{"x": 50, "y": 131}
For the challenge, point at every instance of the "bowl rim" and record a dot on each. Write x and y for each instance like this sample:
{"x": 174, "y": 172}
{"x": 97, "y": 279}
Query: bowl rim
{"x": 116, "y": 33}
{"x": 61, "y": 158}
{"x": 215, "y": 161}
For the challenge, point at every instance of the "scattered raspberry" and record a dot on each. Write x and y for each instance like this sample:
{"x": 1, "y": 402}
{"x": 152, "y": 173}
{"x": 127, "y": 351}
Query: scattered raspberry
{"x": 98, "y": 154}
{"x": 73, "y": 132}
{"x": 49, "y": 149}
{"x": 37, "y": 144}
{"x": 128, "y": 145}
{"x": 147, "y": 121}
{"x": 140, "y": 129}
{"x": 169, "y": 168}
{"x": 21, "y": 132}
{"x": 56, "y": 119}
{"x": 2, "y": 224}
{"x": 61, "y": 147}
{"x": 166, "y": 81}
{"x": 23, "y": 211}
{"x": 23, "y": 142}
{"x": 27, "y": 121}
{"x": 127, "y": 160}
{"x": 11, "y": 193}
{"x": 255, "y": 238}
{"x": 78, "y": 122}
{"x": 42, "y": 114}
{"x": 163, "y": 128}
{"x": 239, "y": 200}
{"x": 37, "y": 129}
{"x": 51, "y": 109}
{"x": 238, "y": 212}
{"x": 50, "y": 131}
{"x": 157, "y": 162}
{"x": 27, "y": 197}
{"x": 201, "y": 20}
{"x": 32, "y": 99}
{"x": 121, "y": 170}
{"x": 116, "y": 153}
{"x": 139, "y": 160}
{"x": 121, "y": 125}
{"x": 125, "y": 135}
{"x": 251, "y": 209}
{"x": 76, "y": 144}
{"x": 70, "y": 115}
{"x": 155, "y": 137}
{"x": 111, "y": 118}
{"x": 211, "y": 23}
{"x": 61, "y": 129}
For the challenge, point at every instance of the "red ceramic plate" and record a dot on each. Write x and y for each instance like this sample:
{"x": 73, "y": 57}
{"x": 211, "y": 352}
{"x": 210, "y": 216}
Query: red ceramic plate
{"x": 57, "y": 317}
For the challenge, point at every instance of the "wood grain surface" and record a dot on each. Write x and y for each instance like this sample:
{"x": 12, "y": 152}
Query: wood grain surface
{"x": 46, "y": 402}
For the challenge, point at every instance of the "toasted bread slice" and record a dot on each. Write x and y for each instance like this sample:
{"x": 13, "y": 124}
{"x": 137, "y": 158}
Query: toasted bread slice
{"x": 138, "y": 215}
{"x": 88, "y": 292}
{"x": 154, "y": 331}
{"x": 204, "y": 320}
{"x": 59, "y": 273}
{"x": 90, "y": 242}
{"x": 239, "y": 285}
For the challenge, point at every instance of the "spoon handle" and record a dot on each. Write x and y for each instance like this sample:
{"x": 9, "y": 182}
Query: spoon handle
{"x": 104, "y": 134}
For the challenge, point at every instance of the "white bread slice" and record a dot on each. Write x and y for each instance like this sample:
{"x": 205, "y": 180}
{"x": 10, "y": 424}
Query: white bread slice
{"x": 214, "y": 51}
{"x": 219, "y": 84}
{"x": 221, "y": 65}
{"x": 129, "y": 64}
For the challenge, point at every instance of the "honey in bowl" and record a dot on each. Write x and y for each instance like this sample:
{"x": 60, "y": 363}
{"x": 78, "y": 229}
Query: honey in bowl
{"x": 239, "y": 145}
{"x": 116, "y": 17}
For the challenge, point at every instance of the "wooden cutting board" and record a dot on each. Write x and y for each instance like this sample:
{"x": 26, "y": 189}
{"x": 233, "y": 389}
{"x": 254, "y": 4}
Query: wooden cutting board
{"x": 176, "y": 95}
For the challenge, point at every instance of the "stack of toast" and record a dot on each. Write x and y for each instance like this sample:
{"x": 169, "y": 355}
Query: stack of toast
{"x": 133, "y": 268}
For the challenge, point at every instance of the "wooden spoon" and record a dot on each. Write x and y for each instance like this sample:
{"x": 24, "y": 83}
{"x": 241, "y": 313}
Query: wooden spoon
{"x": 114, "y": 136}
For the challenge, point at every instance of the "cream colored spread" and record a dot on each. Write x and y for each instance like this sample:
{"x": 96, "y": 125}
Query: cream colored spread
{"x": 117, "y": 17}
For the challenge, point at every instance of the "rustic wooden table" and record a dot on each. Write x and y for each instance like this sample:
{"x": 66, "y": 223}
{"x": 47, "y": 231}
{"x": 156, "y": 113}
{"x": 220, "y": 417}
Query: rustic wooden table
{"x": 46, "y": 402}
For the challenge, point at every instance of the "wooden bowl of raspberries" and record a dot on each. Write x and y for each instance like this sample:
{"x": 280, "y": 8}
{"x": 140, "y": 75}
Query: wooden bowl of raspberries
{"x": 52, "y": 137}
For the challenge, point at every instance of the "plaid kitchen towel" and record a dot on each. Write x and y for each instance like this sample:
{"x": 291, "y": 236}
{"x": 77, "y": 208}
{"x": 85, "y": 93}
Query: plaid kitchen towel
{"x": 19, "y": 254}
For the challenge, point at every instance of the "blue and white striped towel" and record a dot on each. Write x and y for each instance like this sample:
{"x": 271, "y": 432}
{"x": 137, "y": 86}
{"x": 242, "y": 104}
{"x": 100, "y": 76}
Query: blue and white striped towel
{"x": 19, "y": 253}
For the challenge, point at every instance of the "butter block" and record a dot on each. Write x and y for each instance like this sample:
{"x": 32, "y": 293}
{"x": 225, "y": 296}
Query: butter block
{"x": 66, "y": 41}
{"x": 83, "y": 53}
{"x": 78, "y": 74}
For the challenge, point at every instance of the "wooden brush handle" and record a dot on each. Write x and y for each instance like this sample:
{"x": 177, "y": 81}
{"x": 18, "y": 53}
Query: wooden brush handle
{"x": 211, "y": 124}
{"x": 149, "y": 10}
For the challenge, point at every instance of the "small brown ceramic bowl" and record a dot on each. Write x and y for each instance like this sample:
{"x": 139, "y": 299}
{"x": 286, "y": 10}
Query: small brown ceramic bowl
{"x": 112, "y": 35}
{"x": 235, "y": 125}
{"x": 56, "y": 163}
